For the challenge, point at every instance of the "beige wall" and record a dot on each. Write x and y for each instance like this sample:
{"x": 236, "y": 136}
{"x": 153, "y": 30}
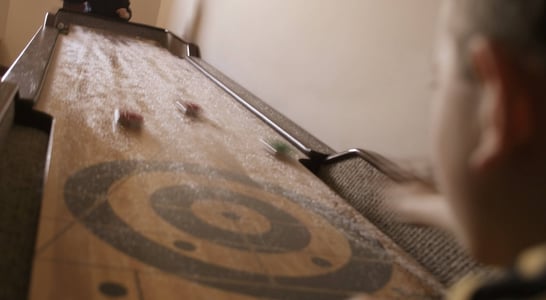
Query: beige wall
{"x": 352, "y": 72}
{"x": 4, "y": 6}
{"x": 24, "y": 19}
{"x": 145, "y": 11}
{"x": 26, "y": 16}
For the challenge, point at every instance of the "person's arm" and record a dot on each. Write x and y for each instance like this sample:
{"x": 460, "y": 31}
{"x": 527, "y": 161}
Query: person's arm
{"x": 417, "y": 203}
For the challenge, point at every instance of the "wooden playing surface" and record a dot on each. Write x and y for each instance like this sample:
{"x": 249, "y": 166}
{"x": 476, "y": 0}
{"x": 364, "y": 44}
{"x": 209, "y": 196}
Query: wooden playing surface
{"x": 187, "y": 208}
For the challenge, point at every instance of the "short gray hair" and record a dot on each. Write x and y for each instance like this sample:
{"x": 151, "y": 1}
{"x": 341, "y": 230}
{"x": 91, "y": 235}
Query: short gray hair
{"x": 519, "y": 25}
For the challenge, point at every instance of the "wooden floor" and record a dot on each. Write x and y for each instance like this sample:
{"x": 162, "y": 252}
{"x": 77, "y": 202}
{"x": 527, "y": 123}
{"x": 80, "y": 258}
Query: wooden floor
{"x": 187, "y": 208}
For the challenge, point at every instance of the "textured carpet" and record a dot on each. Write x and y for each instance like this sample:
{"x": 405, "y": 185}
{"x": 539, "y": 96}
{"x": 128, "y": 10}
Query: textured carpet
{"x": 362, "y": 186}
{"x": 21, "y": 174}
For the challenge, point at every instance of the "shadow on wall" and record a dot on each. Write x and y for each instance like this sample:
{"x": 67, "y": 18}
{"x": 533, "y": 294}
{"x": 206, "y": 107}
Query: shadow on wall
{"x": 4, "y": 7}
{"x": 3, "y": 57}
{"x": 195, "y": 23}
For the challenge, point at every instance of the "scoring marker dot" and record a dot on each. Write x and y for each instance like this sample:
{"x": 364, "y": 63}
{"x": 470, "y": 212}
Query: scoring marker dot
{"x": 112, "y": 289}
{"x": 321, "y": 262}
{"x": 186, "y": 246}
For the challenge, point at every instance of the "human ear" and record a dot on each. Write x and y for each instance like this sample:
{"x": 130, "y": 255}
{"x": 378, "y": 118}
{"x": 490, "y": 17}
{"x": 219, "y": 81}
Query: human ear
{"x": 505, "y": 111}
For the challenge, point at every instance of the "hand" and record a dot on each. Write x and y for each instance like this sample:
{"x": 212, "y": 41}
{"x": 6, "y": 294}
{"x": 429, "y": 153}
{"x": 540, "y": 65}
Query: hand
{"x": 123, "y": 13}
{"x": 417, "y": 203}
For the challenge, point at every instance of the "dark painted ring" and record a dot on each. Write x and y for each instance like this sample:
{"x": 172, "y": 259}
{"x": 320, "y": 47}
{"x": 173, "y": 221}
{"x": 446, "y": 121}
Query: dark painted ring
{"x": 185, "y": 220}
{"x": 85, "y": 195}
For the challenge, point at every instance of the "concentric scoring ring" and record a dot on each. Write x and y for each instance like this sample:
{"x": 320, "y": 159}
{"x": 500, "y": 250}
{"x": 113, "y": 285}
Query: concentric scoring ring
{"x": 93, "y": 193}
{"x": 184, "y": 198}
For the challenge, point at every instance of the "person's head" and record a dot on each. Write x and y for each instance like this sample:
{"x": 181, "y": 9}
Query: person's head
{"x": 489, "y": 123}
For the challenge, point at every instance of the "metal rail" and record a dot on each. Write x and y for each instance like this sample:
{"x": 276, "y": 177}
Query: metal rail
{"x": 315, "y": 156}
{"x": 386, "y": 166}
{"x": 316, "y": 159}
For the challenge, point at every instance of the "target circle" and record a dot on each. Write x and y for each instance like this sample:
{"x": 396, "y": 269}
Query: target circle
{"x": 213, "y": 225}
{"x": 208, "y": 211}
{"x": 232, "y": 217}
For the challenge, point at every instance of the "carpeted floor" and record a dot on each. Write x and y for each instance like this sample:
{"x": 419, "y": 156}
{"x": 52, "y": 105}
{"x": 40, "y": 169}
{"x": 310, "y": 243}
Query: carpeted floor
{"x": 363, "y": 187}
{"x": 22, "y": 166}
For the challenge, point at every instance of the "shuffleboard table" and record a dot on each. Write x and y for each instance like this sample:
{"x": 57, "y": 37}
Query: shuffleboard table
{"x": 183, "y": 206}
